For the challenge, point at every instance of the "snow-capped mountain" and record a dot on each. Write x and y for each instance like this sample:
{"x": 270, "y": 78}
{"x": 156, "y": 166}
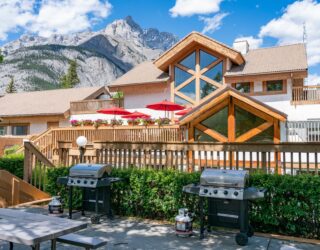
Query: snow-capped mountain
{"x": 102, "y": 56}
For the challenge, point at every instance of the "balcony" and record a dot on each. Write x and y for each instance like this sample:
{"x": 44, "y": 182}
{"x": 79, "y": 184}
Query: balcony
{"x": 91, "y": 106}
{"x": 306, "y": 95}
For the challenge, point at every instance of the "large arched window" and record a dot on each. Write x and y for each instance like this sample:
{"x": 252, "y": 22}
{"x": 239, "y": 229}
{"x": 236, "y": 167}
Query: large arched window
{"x": 197, "y": 76}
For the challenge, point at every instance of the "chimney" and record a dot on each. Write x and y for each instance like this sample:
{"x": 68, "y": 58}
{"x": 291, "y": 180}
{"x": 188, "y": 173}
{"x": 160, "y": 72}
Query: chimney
{"x": 242, "y": 46}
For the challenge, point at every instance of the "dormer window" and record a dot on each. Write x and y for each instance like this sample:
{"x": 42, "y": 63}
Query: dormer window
{"x": 197, "y": 76}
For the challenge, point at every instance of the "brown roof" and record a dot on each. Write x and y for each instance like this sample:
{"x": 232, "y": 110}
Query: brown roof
{"x": 49, "y": 102}
{"x": 145, "y": 72}
{"x": 272, "y": 60}
{"x": 228, "y": 91}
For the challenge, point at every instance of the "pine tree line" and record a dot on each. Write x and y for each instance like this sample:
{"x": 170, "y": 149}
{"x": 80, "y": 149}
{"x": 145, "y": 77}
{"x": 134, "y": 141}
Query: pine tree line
{"x": 70, "y": 79}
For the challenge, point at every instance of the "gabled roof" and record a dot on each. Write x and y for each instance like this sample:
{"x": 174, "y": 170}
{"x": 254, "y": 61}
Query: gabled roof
{"x": 224, "y": 92}
{"x": 286, "y": 58}
{"x": 192, "y": 39}
{"x": 145, "y": 72}
{"x": 48, "y": 102}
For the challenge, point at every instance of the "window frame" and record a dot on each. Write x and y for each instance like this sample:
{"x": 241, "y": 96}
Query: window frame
{"x": 267, "y": 92}
{"x": 196, "y": 74}
{"x": 20, "y": 124}
{"x": 5, "y": 130}
{"x": 251, "y": 92}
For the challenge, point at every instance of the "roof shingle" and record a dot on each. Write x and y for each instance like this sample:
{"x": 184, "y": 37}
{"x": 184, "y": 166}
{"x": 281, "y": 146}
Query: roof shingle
{"x": 272, "y": 60}
{"x": 49, "y": 102}
{"x": 145, "y": 72}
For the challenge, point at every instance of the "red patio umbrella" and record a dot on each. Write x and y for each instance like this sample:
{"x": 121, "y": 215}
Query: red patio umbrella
{"x": 135, "y": 115}
{"x": 183, "y": 112}
{"x": 165, "y": 106}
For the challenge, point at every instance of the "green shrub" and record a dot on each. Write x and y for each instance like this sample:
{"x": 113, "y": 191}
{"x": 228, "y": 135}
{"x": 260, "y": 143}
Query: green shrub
{"x": 13, "y": 163}
{"x": 291, "y": 207}
{"x": 11, "y": 150}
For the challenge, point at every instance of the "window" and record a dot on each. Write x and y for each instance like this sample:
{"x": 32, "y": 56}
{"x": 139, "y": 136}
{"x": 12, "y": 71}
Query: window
{"x": 3, "y": 130}
{"x": 244, "y": 87}
{"x": 276, "y": 85}
{"x": 191, "y": 83}
{"x": 20, "y": 129}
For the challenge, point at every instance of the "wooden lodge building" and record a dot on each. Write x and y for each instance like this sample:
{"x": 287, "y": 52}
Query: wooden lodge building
{"x": 237, "y": 94}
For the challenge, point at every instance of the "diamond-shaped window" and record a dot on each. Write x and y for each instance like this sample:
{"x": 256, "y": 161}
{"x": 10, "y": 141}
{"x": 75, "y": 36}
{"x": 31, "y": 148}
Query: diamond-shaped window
{"x": 206, "y": 59}
{"x": 189, "y": 61}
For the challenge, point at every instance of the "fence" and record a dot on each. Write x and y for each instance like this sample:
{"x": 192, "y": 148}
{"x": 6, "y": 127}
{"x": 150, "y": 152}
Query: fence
{"x": 284, "y": 158}
{"x": 303, "y": 131}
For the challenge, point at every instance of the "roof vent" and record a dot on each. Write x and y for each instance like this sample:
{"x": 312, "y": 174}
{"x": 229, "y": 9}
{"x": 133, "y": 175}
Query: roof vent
{"x": 242, "y": 46}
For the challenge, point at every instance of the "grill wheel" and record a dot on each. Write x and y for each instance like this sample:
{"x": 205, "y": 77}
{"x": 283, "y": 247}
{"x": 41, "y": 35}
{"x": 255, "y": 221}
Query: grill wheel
{"x": 242, "y": 239}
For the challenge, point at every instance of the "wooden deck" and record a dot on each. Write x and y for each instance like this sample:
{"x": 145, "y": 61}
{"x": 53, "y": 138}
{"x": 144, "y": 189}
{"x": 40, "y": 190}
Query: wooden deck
{"x": 306, "y": 95}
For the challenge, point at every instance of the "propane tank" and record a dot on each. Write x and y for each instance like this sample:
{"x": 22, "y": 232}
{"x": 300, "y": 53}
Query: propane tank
{"x": 55, "y": 206}
{"x": 183, "y": 223}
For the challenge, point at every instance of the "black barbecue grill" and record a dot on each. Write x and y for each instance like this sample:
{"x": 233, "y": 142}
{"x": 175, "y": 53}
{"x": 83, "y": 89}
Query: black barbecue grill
{"x": 95, "y": 182}
{"x": 227, "y": 194}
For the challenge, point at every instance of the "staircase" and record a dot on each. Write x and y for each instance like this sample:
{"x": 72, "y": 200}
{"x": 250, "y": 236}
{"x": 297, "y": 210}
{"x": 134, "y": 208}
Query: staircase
{"x": 14, "y": 191}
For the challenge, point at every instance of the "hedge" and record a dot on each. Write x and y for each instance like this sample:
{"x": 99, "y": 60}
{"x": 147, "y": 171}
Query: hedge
{"x": 291, "y": 206}
{"x": 13, "y": 163}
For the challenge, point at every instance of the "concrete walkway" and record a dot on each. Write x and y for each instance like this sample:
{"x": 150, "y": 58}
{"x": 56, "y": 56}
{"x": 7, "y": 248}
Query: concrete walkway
{"x": 135, "y": 234}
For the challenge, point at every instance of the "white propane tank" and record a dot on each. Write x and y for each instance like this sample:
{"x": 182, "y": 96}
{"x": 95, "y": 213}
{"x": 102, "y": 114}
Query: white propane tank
{"x": 183, "y": 223}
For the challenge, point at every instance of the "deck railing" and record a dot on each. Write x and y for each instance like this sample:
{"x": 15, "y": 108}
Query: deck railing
{"x": 47, "y": 143}
{"x": 289, "y": 158}
{"x": 306, "y": 95}
{"x": 91, "y": 106}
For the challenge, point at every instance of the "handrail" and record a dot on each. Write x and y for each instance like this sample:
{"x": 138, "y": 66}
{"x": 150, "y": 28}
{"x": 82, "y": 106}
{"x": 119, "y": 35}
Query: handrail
{"x": 306, "y": 95}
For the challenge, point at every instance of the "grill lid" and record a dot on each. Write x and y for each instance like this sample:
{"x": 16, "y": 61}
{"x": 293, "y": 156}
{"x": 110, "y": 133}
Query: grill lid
{"x": 224, "y": 178}
{"x": 89, "y": 170}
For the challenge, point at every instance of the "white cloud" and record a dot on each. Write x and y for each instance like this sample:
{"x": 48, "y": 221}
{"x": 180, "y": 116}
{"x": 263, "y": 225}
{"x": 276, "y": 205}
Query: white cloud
{"x": 195, "y": 7}
{"x": 289, "y": 27}
{"x": 14, "y": 14}
{"x": 212, "y": 24}
{"x": 254, "y": 43}
{"x": 313, "y": 79}
{"x": 51, "y": 16}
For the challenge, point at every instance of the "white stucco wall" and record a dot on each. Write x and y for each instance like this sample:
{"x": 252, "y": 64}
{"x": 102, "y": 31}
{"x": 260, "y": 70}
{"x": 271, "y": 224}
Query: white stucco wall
{"x": 37, "y": 127}
{"x": 274, "y": 97}
{"x": 140, "y": 96}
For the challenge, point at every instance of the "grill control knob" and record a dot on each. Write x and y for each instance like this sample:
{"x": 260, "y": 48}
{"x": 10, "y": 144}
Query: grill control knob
{"x": 235, "y": 193}
{"x": 92, "y": 182}
{"x": 205, "y": 191}
{"x": 78, "y": 181}
{"x": 85, "y": 182}
{"x": 225, "y": 192}
{"x": 215, "y": 191}
{"x": 71, "y": 181}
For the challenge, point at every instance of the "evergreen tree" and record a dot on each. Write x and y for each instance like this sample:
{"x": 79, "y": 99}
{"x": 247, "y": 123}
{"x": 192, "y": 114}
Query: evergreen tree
{"x": 1, "y": 57}
{"x": 11, "y": 88}
{"x": 70, "y": 79}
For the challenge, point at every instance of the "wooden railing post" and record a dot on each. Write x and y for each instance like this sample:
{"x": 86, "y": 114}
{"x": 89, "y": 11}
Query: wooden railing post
{"x": 27, "y": 162}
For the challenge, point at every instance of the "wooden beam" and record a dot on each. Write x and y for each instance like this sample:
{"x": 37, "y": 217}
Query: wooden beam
{"x": 253, "y": 110}
{"x": 197, "y": 76}
{"x": 211, "y": 65}
{"x": 203, "y": 115}
{"x": 276, "y": 131}
{"x": 172, "y": 83}
{"x": 211, "y": 133}
{"x": 185, "y": 83}
{"x": 207, "y": 79}
{"x": 231, "y": 121}
{"x": 253, "y": 132}
{"x": 190, "y": 71}
{"x": 183, "y": 96}
{"x": 194, "y": 39}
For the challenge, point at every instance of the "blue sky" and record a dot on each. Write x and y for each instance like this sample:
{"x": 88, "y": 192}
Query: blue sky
{"x": 263, "y": 23}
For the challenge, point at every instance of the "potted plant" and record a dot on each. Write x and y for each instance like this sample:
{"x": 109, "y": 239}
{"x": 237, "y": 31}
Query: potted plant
{"x": 97, "y": 123}
{"x": 133, "y": 122}
{"x": 87, "y": 122}
{"x": 104, "y": 123}
{"x": 75, "y": 123}
{"x": 115, "y": 122}
{"x": 147, "y": 121}
{"x": 163, "y": 121}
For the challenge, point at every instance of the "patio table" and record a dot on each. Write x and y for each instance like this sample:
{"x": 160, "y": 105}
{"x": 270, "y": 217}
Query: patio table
{"x": 31, "y": 229}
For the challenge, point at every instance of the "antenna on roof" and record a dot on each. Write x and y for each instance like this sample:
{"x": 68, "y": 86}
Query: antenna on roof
{"x": 304, "y": 37}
